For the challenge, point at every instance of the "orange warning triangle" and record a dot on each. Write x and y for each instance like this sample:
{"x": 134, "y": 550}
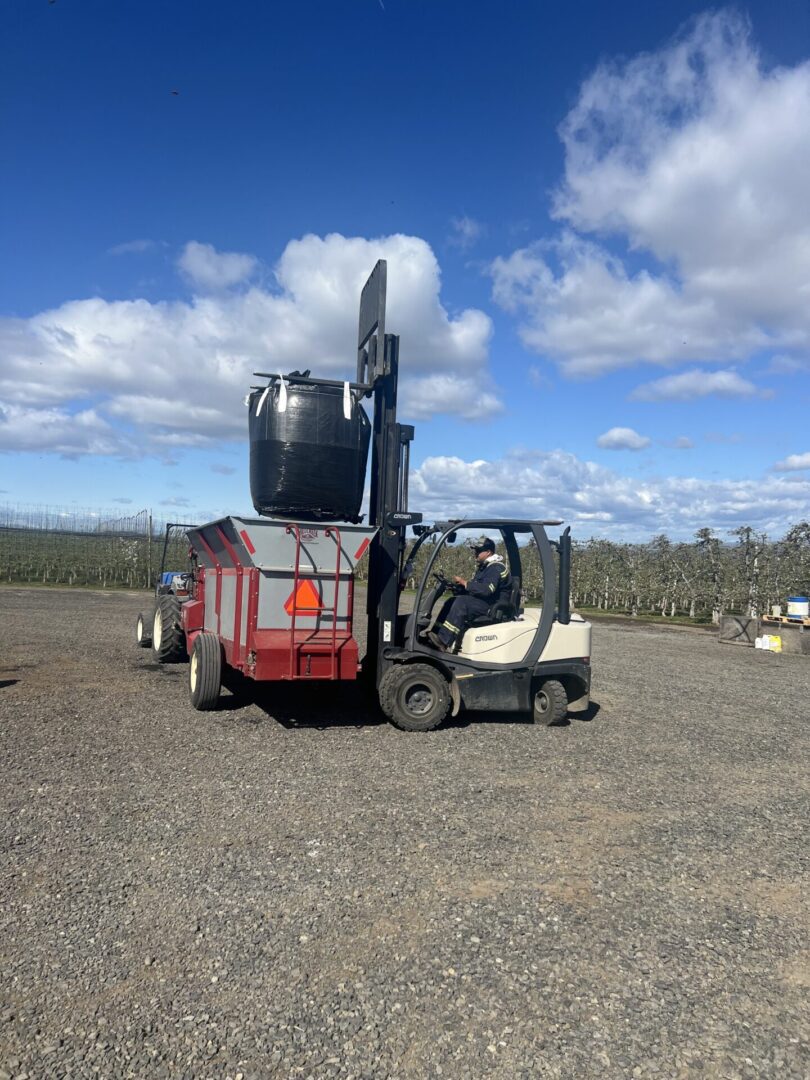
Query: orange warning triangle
{"x": 305, "y": 599}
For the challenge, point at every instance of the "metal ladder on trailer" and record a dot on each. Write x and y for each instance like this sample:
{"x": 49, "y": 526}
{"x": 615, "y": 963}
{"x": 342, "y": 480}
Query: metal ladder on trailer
{"x": 296, "y": 646}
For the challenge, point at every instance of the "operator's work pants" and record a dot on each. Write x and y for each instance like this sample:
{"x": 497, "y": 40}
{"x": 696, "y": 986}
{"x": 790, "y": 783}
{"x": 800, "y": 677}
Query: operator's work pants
{"x": 462, "y": 612}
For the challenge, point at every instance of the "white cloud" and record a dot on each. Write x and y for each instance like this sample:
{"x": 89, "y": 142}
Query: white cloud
{"x": 693, "y": 384}
{"x": 697, "y": 158}
{"x": 786, "y": 365}
{"x": 58, "y": 431}
{"x": 599, "y": 501}
{"x": 177, "y": 371}
{"x": 132, "y": 247}
{"x": 538, "y": 378}
{"x": 466, "y": 232}
{"x": 459, "y": 395}
{"x": 594, "y": 316}
{"x": 793, "y": 463}
{"x": 211, "y": 270}
{"x": 682, "y": 442}
{"x": 722, "y": 438}
{"x": 622, "y": 438}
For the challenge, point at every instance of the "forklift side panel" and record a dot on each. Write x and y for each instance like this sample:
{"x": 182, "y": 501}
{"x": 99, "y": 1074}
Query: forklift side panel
{"x": 568, "y": 640}
{"x": 495, "y": 691}
{"x": 501, "y": 643}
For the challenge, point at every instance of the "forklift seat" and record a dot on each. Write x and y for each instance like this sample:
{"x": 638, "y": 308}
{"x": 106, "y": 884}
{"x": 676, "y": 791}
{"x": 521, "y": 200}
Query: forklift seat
{"x": 506, "y": 609}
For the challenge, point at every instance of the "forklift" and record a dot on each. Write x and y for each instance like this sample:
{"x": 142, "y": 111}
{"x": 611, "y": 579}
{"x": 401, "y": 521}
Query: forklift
{"x": 274, "y": 598}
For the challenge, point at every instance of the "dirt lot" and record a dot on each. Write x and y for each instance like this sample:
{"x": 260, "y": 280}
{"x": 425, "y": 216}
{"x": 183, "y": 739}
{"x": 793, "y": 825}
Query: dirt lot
{"x": 294, "y": 888}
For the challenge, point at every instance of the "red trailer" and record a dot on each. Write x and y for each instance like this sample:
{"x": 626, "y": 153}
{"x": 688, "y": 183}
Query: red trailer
{"x": 274, "y": 598}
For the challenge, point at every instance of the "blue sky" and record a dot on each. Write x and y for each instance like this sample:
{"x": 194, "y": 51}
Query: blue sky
{"x": 595, "y": 219}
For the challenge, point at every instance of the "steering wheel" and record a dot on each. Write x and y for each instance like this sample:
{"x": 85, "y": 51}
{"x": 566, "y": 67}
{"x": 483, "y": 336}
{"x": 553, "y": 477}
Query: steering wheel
{"x": 450, "y": 586}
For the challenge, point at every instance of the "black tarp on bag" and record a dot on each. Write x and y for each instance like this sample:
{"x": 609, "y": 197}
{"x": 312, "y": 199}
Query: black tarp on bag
{"x": 308, "y": 452}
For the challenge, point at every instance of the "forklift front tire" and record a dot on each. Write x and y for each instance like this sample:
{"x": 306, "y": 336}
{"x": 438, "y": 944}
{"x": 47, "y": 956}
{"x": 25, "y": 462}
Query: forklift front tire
{"x": 205, "y": 672}
{"x": 414, "y": 697}
{"x": 143, "y": 632}
{"x": 550, "y": 703}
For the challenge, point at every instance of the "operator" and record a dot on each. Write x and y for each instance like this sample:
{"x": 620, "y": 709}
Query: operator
{"x": 490, "y": 582}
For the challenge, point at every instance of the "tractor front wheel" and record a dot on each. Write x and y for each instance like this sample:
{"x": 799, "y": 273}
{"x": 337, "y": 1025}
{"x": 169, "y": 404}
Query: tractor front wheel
{"x": 205, "y": 671}
{"x": 168, "y": 639}
{"x": 550, "y": 703}
{"x": 414, "y": 697}
{"x": 143, "y": 631}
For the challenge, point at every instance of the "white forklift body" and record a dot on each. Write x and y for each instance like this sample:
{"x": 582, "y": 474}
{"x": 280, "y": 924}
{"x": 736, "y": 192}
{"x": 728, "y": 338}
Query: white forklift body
{"x": 509, "y": 642}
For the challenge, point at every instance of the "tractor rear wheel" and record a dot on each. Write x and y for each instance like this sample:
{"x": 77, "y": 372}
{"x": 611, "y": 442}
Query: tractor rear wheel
{"x": 550, "y": 703}
{"x": 168, "y": 639}
{"x": 143, "y": 631}
{"x": 414, "y": 697}
{"x": 205, "y": 671}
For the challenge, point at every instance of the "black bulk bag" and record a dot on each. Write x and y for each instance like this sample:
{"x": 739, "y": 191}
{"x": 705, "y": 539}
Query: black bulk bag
{"x": 307, "y": 456}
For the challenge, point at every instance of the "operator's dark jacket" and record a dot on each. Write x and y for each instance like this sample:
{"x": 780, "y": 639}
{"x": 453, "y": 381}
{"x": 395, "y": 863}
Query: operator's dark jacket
{"x": 490, "y": 582}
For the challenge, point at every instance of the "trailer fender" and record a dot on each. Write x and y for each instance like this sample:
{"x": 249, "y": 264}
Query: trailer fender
{"x": 192, "y": 616}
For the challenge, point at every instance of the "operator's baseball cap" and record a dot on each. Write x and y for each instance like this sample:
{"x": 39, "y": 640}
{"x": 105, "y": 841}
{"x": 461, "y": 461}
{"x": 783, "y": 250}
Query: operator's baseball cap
{"x": 482, "y": 543}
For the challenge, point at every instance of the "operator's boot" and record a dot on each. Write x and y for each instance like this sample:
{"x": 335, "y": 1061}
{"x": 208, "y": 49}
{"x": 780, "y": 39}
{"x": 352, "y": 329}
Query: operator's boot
{"x": 444, "y": 638}
{"x": 436, "y": 641}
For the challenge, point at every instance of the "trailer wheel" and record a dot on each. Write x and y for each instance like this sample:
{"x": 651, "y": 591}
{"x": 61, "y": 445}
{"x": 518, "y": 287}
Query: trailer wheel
{"x": 205, "y": 671}
{"x": 550, "y": 703}
{"x": 168, "y": 640}
{"x": 143, "y": 631}
{"x": 414, "y": 697}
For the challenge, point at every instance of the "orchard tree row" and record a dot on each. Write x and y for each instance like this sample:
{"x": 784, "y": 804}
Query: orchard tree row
{"x": 742, "y": 571}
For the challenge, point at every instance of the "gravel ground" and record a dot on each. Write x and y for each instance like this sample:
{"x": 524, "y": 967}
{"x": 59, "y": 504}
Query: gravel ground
{"x": 293, "y": 888}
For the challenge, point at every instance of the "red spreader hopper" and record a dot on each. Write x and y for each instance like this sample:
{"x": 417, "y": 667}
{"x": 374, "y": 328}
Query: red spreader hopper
{"x": 278, "y": 594}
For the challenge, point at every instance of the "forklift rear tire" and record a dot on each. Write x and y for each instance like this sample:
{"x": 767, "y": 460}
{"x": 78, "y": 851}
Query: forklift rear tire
{"x": 168, "y": 639}
{"x": 550, "y": 703}
{"x": 414, "y": 697}
{"x": 205, "y": 672}
{"x": 143, "y": 631}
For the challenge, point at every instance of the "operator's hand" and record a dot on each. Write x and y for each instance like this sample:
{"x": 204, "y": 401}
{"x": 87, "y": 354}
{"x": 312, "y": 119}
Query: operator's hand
{"x": 460, "y": 581}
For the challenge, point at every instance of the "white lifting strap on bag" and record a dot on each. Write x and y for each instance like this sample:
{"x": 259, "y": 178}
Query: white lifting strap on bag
{"x": 262, "y": 399}
{"x": 347, "y": 401}
{"x": 282, "y": 396}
